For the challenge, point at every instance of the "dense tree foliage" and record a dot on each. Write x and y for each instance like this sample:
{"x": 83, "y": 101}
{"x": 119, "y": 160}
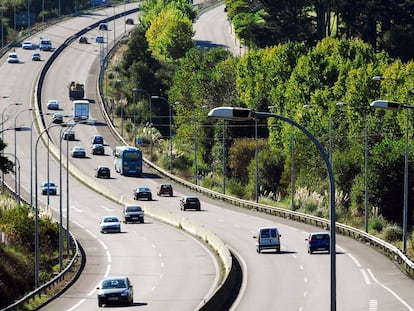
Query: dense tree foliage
{"x": 386, "y": 25}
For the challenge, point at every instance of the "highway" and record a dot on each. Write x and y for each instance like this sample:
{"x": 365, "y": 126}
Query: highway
{"x": 157, "y": 257}
{"x": 172, "y": 271}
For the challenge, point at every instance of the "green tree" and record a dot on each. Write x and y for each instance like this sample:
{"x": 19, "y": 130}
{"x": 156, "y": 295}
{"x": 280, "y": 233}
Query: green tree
{"x": 170, "y": 34}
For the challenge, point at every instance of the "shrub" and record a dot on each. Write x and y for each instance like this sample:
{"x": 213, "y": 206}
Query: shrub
{"x": 377, "y": 223}
{"x": 392, "y": 233}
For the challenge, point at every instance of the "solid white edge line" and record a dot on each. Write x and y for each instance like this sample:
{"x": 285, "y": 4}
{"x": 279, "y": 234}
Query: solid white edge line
{"x": 77, "y": 305}
{"x": 365, "y": 276}
{"x": 244, "y": 282}
{"x": 390, "y": 290}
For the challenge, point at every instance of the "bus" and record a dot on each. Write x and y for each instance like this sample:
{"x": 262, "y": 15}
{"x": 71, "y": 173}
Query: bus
{"x": 128, "y": 160}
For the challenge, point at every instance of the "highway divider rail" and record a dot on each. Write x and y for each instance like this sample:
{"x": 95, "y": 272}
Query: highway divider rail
{"x": 227, "y": 291}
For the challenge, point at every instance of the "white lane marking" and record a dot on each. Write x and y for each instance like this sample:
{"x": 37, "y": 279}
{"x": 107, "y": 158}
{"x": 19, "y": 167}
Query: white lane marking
{"x": 301, "y": 267}
{"x": 108, "y": 256}
{"x": 390, "y": 291}
{"x": 161, "y": 276}
{"x": 305, "y": 279}
{"x": 153, "y": 288}
{"x": 78, "y": 224}
{"x": 76, "y": 209}
{"x": 294, "y": 256}
{"x": 373, "y": 305}
{"x": 162, "y": 265}
{"x": 103, "y": 244}
{"x": 91, "y": 233}
{"x": 107, "y": 208}
{"x": 365, "y": 276}
{"x": 354, "y": 260}
{"x": 159, "y": 254}
{"x": 108, "y": 268}
{"x": 77, "y": 305}
{"x": 305, "y": 293}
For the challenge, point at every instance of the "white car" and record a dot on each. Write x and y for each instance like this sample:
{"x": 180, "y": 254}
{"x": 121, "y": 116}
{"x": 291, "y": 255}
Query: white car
{"x": 53, "y": 104}
{"x": 78, "y": 152}
{"x": 27, "y": 45}
{"x": 110, "y": 224}
{"x": 13, "y": 58}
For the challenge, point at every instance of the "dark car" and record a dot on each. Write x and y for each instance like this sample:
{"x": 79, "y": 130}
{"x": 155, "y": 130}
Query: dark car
{"x": 142, "y": 193}
{"x": 165, "y": 189}
{"x": 69, "y": 135}
{"x": 97, "y": 139}
{"x": 98, "y": 149}
{"x": 190, "y": 203}
{"x": 115, "y": 290}
{"x": 129, "y": 21}
{"x": 318, "y": 241}
{"x": 49, "y": 188}
{"x": 103, "y": 172}
{"x": 83, "y": 40}
{"x": 103, "y": 26}
{"x": 133, "y": 213}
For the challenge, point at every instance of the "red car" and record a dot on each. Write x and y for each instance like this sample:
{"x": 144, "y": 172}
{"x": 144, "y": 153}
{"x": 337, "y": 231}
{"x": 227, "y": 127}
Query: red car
{"x": 165, "y": 189}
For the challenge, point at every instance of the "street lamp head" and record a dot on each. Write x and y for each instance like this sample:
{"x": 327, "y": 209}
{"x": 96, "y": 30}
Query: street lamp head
{"x": 378, "y": 78}
{"x": 22, "y": 128}
{"x": 232, "y": 113}
{"x": 385, "y": 104}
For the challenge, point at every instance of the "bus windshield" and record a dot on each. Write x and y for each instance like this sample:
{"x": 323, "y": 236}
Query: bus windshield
{"x": 131, "y": 156}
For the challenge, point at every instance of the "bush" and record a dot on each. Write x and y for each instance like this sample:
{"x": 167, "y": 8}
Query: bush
{"x": 377, "y": 223}
{"x": 392, "y": 233}
{"x": 235, "y": 188}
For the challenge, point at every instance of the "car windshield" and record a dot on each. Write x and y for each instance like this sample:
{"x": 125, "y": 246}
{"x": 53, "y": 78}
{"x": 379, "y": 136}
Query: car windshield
{"x": 111, "y": 219}
{"x": 48, "y": 184}
{"x": 143, "y": 190}
{"x": 113, "y": 284}
{"x": 134, "y": 209}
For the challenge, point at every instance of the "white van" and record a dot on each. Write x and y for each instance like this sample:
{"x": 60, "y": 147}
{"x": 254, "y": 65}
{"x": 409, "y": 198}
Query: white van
{"x": 268, "y": 238}
{"x": 45, "y": 44}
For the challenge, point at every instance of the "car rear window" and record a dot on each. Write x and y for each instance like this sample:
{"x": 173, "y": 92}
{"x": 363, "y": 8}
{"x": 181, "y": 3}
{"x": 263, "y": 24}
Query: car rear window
{"x": 320, "y": 237}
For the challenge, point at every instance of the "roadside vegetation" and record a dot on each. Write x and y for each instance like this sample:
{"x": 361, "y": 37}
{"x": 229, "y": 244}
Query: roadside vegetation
{"x": 299, "y": 64}
{"x": 17, "y": 249}
{"x": 325, "y": 85}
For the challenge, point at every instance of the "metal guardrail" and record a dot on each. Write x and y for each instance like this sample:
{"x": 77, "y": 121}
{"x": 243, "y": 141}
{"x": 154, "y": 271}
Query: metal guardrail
{"x": 18, "y": 305}
{"x": 385, "y": 248}
{"x": 76, "y": 250}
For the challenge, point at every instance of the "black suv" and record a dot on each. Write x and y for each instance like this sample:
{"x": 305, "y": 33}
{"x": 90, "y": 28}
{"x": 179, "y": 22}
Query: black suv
{"x": 103, "y": 172}
{"x": 190, "y": 203}
{"x": 98, "y": 149}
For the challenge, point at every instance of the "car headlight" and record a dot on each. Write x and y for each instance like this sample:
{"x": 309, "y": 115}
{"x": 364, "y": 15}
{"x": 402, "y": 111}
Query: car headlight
{"x": 125, "y": 293}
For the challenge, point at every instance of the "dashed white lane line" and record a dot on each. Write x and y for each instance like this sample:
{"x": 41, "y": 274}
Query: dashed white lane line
{"x": 77, "y": 305}
{"x": 365, "y": 276}
{"x": 354, "y": 260}
{"x": 391, "y": 292}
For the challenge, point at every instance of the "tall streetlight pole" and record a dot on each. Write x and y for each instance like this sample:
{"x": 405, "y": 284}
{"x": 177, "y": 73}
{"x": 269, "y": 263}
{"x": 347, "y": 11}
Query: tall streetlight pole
{"x": 31, "y": 155}
{"x": 364, "y": 113}
{"x": 16, "y": 190}
{"x": 37, "y": 250}
{"x": 150, "y": 112}
{"x": 224, "y": 156}
{"x": 241, "y": 114}
{"x": 256, "y": 156}
{"x": 396, "y": 106}
{"x": 134, "y": 93}
{"x": 2, "y": 133}
{"x": 170, "y": 121}
{"x": 15, "y": 147}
